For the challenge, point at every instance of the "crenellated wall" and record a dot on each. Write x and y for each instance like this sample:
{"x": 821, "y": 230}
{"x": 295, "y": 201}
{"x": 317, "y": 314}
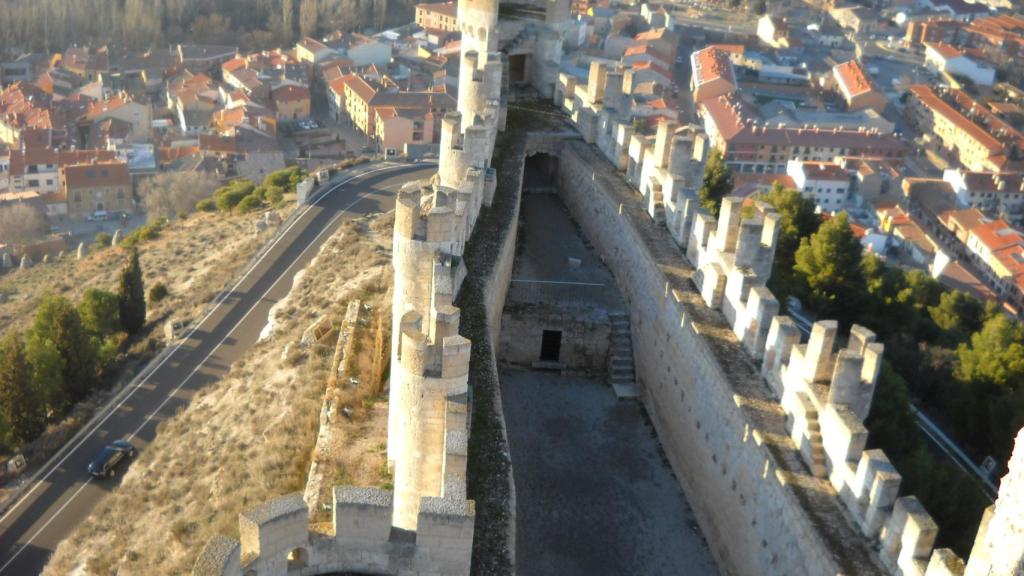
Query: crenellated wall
{"x": 764, "y": 432}
{"x": 275, "y": 537}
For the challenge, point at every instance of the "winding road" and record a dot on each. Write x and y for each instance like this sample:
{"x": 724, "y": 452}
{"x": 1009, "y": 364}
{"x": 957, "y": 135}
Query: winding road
{"x": 61, "y": 494}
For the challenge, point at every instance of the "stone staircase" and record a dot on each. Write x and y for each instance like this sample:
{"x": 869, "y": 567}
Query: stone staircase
{"x": 621, "y": 369}
{"x": 812, "y": 447}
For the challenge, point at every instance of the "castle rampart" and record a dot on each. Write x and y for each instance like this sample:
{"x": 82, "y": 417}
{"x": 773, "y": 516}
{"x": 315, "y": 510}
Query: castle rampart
{"x": 771, "y": 453}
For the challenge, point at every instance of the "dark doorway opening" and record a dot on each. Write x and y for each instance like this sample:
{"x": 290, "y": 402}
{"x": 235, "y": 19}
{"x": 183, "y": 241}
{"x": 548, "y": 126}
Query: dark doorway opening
{"x": 550, "y": 345}
{"x": 540, "y": 173}
{"x": 517, "y": 68}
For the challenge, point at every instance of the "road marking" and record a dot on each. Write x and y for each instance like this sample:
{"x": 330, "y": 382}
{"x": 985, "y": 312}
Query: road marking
{"x": 216, "y": 306}
{"x": 528, "y": 281}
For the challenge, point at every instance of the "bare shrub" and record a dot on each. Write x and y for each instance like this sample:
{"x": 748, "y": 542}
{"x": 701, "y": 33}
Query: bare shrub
{"x": 21, "y": 224}
{"x": 170, "y": 193}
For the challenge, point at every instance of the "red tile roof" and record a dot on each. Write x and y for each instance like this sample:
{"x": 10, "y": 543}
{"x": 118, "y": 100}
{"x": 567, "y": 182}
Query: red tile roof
{"x": 852, "y": 79}
{"x": 711, "y": 63}
{"x": 290, "y": 93}
{"x": 736, "y": 125}
{"x": 997, "y": 235}
{"x": 946, "y": 51}
{"x": 95, "y": 175}
{"x": 927, "y": 96}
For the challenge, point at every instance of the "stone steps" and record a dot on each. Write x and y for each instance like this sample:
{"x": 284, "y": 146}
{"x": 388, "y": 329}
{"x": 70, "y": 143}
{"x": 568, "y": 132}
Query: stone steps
{"x": 621, "y": 366}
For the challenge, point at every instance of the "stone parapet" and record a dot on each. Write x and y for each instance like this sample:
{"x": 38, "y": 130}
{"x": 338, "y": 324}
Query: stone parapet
{"x": 805, "y": 405}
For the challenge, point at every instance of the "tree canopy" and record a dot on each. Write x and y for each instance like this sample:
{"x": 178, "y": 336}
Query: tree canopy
{"x": 20, "y": 407}
{"x": 830, "y": 261}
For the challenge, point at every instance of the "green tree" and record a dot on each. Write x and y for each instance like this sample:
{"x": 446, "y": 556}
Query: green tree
{"x": 21, "y": 407}
{"x": 830, "y": 261}
{"x": 995, "y": 354}
{"x": 958, "y": 315}
{"x": 797, "y": 220}
{"x": 57, "y": 321}
{"x": 249, "y": 203}
{"x": 47, "y": 372}
{"x": 227, "y": 197}
{"x": 101, "y": 312}
{"x": 717, "y": 182}
{"x": 131, "y": 295}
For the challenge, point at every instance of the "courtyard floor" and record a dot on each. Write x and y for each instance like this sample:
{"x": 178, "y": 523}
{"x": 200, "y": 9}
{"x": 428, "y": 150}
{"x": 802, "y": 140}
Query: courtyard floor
{"x": 594, "y": 492}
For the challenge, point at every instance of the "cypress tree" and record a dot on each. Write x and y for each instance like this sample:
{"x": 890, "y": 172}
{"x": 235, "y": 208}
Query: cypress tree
{"x": 131, "y": 295}
{"x": 20, "y": 406}
{"x": 717, "y": 182}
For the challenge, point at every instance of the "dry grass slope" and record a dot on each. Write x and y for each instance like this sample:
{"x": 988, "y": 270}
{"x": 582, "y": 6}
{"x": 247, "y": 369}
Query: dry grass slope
{"x": 194, "y": 258}
{"x": 241, "y": 441}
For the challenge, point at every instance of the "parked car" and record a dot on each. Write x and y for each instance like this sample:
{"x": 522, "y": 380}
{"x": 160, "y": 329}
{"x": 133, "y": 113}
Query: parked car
{"x": 105, "y": 463}
{"x": 98, "y": 216}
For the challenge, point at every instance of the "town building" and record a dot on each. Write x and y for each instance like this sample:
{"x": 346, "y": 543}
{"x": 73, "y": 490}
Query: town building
{"x": 980, "y": 140}
{"x": 437, "y": 16}
{"x": 94, "y": 187}
{"x": 825, "y": 183}
{"x": 773, "y": 31}
{"x": 964, "y": 62}
{"x": 856, "y": 87}
{"x": 38, "y": 168}
{"x": 752, "y": 146}
{"x": 713, "y": 74}
{"x": 988, "y": 191}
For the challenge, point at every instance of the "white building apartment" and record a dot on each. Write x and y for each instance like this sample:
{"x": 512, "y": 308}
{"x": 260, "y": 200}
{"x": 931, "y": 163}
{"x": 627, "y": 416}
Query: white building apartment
{"x": 825, "y": 183}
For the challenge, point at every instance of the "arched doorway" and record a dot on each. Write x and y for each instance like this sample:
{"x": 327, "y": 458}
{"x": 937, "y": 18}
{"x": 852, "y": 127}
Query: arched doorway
{"x": 540, "y": 174}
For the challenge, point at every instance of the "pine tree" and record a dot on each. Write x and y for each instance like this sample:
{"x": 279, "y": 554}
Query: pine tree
{"x": 830, "y": 261}
{"x": 717, "y": 182}
{"x": 132, "y": 295}
{"x": 20, "y": 406}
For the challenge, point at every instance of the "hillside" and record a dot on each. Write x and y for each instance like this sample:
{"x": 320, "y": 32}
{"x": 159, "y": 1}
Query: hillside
{"x": 248, "y": 437}
{"x": 194, "y": 258}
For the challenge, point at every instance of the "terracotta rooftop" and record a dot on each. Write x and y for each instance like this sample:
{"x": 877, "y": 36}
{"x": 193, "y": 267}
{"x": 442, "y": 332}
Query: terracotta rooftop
{"x": 946, "y": 51}
{"x": 966, "y": 219}
{"x": 852, "y": 79}
{"x": 711, "y": 63}
{"x": 46, "y": 156}
{"x": 930, "y": 99}
{"x": 737, "y": 125}
{"x": 290, "y": 93}
{"x": 997, "y": 235}
{"x": 95, "y": 175}
{"x": 823, "y": 171}
{"x": 446, "y": 8}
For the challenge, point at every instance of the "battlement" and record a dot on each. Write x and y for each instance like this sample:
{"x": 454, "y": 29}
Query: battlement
{"x": 274, "y": 537}
{"x": 824, "y": 393}
{"x": 780, "y": 449}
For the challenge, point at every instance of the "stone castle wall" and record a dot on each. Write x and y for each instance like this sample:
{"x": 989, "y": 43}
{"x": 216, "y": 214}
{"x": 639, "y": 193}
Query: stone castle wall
{"x": 736, "y": 399}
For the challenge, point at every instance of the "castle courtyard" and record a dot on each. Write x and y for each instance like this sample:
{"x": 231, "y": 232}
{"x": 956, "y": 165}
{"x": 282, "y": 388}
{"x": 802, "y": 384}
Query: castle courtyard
{"x": 594, "y": 492}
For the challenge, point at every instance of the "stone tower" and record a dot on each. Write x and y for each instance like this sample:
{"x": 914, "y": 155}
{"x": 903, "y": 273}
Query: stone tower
{"x": 429, "y": 359}
{"x": 999, "y": 547}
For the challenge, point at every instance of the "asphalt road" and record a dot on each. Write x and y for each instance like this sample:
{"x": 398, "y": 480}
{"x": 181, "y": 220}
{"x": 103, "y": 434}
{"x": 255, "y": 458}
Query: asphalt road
{"x": 64, "y": 493}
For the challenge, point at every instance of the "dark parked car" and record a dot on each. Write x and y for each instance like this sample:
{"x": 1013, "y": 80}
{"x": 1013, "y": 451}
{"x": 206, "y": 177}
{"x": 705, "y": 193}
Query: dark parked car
{"x": 103, "y": 465}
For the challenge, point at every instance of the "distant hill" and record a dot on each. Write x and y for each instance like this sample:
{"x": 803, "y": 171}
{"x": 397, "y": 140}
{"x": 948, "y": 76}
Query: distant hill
{"x": 30, "y": 25}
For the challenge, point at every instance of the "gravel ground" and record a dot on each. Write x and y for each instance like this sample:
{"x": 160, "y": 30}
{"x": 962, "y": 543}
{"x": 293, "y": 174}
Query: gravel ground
{"x": 595, "y": 495}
